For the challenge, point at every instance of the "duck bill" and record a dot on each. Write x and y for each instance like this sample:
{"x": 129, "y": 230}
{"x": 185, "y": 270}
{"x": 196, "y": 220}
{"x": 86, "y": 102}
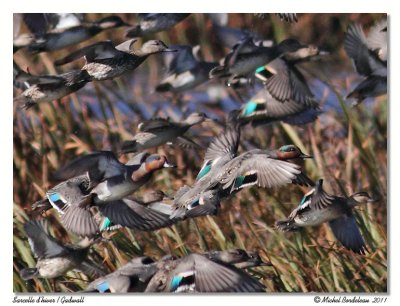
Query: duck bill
{"x": 266, "y": 264}
{"x": 306, "y": 156}
{"x": 373, "y": 200}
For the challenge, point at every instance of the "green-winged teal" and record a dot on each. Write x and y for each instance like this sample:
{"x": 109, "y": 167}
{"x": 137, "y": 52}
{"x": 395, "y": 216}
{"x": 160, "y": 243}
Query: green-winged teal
{"x": 83, "y": 214}
{"x": 135, "y": 176}
{"x": 264, "y": 168}
{"x": 72, "y": 200}
{"x": 185, "y": 71}
{"x": 47, "y": 88}
{"x": 224, "y": 173}
{"x": 246, "y": 57}
{"x": 105, "y": 61}
{"x": 54, "y": 258}
{"x": 131, "y": 277}
{"x": 194, "y": 202}
{"x": 283, "y": 79}
{"x": 137, "y": 273}
{"x": 197, "y": 273}
{"x": 157, "y": 131}
{"x": 155, "y": 22}
{"x": 264, "y": 109}
{"x": 369, "y": 56}
{"x": 318, "y": 206}
{"x": 64, "y": 37}
{"x": 99, "y": 166}
{"x": 99, "y": 179}
{"x": 105, "y": 172}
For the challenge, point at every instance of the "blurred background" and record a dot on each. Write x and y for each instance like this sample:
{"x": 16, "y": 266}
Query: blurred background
{"x": 349, "y": 146}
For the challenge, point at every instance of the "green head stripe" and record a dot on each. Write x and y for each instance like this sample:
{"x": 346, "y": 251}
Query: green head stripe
{"x": 285, "y": 148}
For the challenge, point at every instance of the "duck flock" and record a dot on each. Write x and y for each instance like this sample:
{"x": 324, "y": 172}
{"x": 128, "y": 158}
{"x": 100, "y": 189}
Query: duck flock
{"x": 95, "y": 192}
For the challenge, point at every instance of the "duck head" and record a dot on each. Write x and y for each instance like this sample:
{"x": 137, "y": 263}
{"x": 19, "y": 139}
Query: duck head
{"x": 290, "y": 152}
{"x": 302, "y": 53}
{"x": 254, "y": 260}
{"x": 196, "y": 118}
{"x": 155, "y": 161}
{"x": 112, "y": 22}
{"x": 289, "y": 45}
{"x": 362, "y": 197}
{"x": 152, "y": 47}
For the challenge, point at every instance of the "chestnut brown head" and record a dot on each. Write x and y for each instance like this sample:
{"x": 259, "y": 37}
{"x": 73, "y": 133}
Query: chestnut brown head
{"x": 291, "y": 152}
{"x": 155, "y": 161}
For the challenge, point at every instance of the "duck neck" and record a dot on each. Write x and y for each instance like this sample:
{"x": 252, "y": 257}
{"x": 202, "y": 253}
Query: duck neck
{"x": 139, "y": 53}
{"x": 141, "y": 173}
{"x": 352, "y": 202}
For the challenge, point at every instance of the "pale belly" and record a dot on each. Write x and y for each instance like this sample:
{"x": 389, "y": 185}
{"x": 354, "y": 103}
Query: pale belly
{"x": 151, "y": 140}
{"x": 54, "y": 267}
{"x": 106, "y": 193}
{"x": 317, "y": 217}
